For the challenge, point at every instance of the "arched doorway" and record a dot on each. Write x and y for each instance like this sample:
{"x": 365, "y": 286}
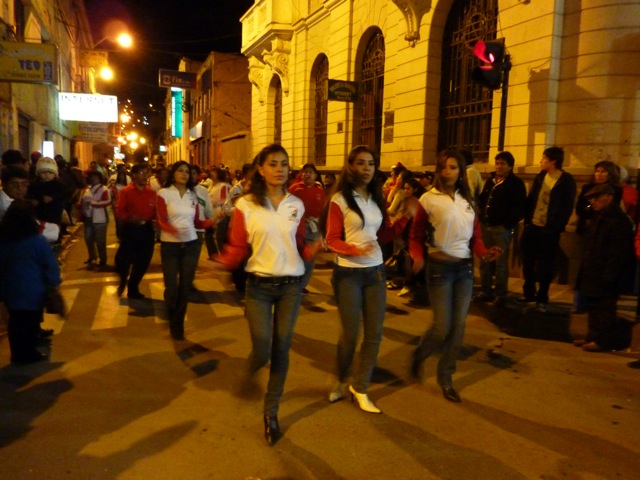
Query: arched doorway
{"x": 465, "y": 106}
{"x": 368, "y": 118}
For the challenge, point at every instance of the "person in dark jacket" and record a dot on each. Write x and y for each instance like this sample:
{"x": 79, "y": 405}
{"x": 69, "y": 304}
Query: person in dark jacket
{"x": 501, "y": 205}
{"x": 607, "y": 263}
{"x": 28, "y": 267}
{"x": 548, "y": 209}
{"x": 604, "y": 172}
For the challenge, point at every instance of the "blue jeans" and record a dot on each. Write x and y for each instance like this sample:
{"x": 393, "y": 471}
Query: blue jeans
{"x": 179, "y": 262}
{"x": 361, "y": 295}
{"x": 95, "y": 236}
{"x": 499, "y": 236}
{"x": 272, "y": 310}
{"x": 450, "y": 288}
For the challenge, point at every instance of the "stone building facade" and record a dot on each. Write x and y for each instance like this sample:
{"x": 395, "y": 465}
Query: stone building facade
{"x": 573, "y": 82}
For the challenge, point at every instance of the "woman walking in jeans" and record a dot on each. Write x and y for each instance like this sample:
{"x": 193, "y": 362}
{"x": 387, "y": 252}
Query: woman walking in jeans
{"x": 455, "y": 233}
{"x": 267, "y": 227}
{"x": 178, "y": 217}
{"x": 356, "y": 219}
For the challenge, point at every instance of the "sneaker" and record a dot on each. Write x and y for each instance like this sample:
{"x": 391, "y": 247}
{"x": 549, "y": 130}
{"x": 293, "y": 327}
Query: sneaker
{"x": 541, "y": 307}
{"x": 404, "y": 292}
{"x": 525, "y": 299}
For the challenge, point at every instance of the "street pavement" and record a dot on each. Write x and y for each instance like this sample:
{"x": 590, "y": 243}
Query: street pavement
{"x": 120, "y": 400}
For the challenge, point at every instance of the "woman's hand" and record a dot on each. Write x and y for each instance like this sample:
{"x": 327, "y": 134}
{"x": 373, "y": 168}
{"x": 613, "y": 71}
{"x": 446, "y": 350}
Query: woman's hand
{"x": 366, "y": 249}
{"x": 315, "y": 247}
{"x": 493, "y": 253}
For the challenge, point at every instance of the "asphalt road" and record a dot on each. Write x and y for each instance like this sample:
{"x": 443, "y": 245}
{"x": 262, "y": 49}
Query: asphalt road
{"x": 120, "y": 400}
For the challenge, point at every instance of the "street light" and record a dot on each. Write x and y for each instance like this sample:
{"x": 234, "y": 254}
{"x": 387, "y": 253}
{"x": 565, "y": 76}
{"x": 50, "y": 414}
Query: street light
{"x": 123, "y": 39}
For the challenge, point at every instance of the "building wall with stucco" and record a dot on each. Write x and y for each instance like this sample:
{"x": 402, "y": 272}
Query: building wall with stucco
{"x": 575, "y": 79}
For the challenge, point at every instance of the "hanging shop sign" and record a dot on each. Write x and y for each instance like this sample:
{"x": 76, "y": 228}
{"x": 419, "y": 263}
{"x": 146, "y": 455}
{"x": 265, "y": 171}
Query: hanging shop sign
{"x": 93, "y": 58}
{"x": 177, "y": 79}
{"x": 85, "y": 107}
{"x": 28, "y": 63}
{"x": 343, "y": 91}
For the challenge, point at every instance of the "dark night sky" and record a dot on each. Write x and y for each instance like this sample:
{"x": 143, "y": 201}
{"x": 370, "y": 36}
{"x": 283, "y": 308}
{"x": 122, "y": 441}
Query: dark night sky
{"x": 164, "y": 31}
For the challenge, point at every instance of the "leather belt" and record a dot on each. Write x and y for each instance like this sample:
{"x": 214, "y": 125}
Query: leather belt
{"x": 273, "y": 281}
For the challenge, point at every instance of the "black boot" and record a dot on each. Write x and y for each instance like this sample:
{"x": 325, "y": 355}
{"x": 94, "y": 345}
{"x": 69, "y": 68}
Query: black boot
{"x": 272, "y": 431}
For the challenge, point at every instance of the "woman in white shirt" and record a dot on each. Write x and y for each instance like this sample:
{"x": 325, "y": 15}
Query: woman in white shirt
{"x": 178, "y": 216}
{"x": 267, "y": 228}
{"x": 454, "y": 233}
{"x": 357, "y": 218}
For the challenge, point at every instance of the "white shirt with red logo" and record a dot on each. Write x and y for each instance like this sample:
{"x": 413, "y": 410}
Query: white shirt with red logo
{"x": 275, "y": 238}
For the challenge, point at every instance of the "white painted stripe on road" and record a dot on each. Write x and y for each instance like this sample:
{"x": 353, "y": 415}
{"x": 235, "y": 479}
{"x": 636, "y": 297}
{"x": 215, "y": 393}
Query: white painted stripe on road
{"x": 110, "y": 314}
{"x": 228, "y": 307}
{"x": 84, "y": 281}
{"x": 54, "y": 321}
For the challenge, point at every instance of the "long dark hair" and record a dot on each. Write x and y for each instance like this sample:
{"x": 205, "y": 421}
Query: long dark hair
{"x": 462, "y": 184}
{"x": 348, "y": 183}
{"x": 613, "y": 172}
{"x": 257, "y": 185}
{"x": 172, "y": 171}
{"x": 19, "y": 221}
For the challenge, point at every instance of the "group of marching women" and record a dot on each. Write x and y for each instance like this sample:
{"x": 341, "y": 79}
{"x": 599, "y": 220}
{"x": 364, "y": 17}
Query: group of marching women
{"x": 276, "y": 237}
{"x": 268, "y": 231}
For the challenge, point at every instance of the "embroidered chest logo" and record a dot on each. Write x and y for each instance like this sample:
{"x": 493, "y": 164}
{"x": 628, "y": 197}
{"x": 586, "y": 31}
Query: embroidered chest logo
{"x": 293, "y": 215}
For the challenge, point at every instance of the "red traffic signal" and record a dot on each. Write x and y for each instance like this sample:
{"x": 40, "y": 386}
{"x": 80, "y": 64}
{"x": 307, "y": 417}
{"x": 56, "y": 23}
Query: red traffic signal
{"x": 491, "y": 55}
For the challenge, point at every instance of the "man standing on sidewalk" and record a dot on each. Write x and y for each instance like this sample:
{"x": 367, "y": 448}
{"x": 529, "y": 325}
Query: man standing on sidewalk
{"x": 501, "y": 206}
{"x": 136, "y": 209}
{"x": 548, "y": 208}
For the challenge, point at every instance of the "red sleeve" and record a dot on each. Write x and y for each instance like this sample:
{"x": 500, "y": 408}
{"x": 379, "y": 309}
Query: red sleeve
{"x": 201, "y": 224}
{"x": 477, "y": 245}
{"x": 162, "y": 216}
{"x": 637, "y": 242}
{"x": 237, "y": 247}
{"x": 388, "y": 230}
{"x": 418, "y": 233}
{"x": 335, "y": 227}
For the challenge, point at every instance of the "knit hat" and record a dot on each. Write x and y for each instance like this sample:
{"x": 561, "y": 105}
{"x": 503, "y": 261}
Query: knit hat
{"x": 46, "y": 164}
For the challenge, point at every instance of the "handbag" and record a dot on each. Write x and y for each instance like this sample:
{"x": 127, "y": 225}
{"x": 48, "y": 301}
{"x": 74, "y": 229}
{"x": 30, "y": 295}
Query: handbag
{"x": 54, "y": 302}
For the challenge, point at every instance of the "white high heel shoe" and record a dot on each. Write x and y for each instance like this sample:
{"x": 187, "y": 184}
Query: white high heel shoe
{"x": 363, "y": 401}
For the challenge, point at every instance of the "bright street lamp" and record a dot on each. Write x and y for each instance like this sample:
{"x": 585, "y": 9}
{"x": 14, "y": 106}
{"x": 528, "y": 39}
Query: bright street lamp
{"x": 106, "y": 73}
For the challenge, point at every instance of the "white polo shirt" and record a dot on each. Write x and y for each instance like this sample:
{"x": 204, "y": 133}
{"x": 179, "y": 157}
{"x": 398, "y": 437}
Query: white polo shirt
{"x": 452, "y": 220}
{"x": 271, "y": 234}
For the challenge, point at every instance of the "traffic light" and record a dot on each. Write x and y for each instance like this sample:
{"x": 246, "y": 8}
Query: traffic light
{"x": 491, "y": 55}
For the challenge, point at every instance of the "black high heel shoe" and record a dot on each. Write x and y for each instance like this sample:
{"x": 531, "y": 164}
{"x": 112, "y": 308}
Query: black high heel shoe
{"x": 450, "y": 394}
{"x": 272, "y": 431}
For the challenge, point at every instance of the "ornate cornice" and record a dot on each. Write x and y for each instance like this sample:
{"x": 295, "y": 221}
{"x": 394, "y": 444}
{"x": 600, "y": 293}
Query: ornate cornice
{"x": 413, "y": 11}
{"x": 278, "y": 59}
{"x": 256, "y": 76}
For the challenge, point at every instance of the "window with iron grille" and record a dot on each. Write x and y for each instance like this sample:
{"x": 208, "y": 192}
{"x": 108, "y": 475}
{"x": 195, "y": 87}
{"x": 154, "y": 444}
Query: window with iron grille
{"x": 320, "y": 102}
{"x": 372, "y": 92}
{"x": 465, "y": 106}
